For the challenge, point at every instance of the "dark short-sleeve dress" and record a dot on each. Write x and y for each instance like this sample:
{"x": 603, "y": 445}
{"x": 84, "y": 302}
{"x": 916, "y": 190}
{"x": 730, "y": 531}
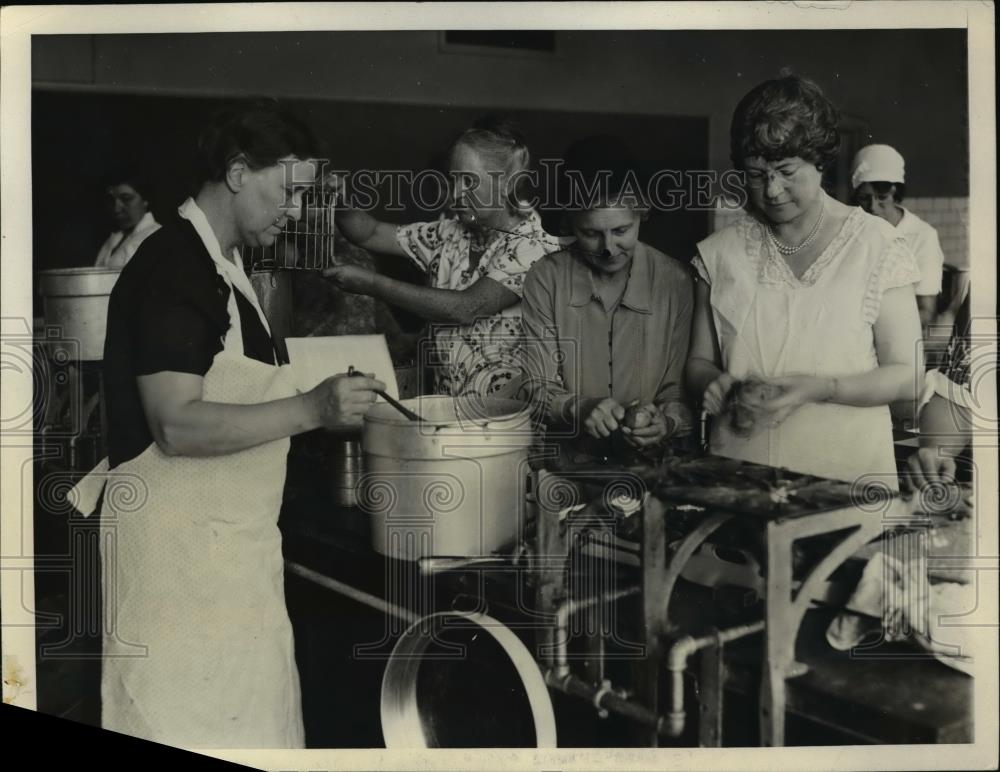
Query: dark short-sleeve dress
{"x": 168, "y": 312}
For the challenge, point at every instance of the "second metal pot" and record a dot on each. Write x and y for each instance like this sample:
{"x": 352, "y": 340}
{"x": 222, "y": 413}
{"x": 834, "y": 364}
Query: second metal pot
{"x": 345, "y": 465}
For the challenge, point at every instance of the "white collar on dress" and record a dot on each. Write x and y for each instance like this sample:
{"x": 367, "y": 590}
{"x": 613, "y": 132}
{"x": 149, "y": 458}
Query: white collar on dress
{"x": 233, "y": 271}
{"x": 147, "y": 221}
{"x": 907, "y": 220}
{"x": 193, "y": 213}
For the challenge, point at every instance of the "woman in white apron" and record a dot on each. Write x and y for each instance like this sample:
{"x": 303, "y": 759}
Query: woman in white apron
{"x": 808, "y": 294}
{"x": 198, "y": 647}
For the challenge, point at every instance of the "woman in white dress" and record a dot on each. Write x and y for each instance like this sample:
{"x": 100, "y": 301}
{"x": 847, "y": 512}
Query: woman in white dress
{"x": 809, "y": 295}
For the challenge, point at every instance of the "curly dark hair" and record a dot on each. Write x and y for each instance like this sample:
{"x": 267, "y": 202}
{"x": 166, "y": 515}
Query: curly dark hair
{"x": 898, "y": 190}
{"x": 784, "y": 118}
{"x": 262, "y": 133}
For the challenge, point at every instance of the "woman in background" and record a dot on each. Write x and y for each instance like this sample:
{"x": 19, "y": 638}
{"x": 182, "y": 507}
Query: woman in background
{"x": 808, "y": 295}
{"x": 878, "y": 176}
{"x": 128, "y": 200}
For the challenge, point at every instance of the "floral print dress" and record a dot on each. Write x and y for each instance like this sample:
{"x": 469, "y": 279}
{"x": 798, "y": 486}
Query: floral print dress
{"x": 480, "y": 358}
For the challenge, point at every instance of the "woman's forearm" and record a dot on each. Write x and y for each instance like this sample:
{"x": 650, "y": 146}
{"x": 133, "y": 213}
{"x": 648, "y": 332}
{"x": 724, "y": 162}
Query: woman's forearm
{"x": 200, "y": 428}
{"x": 945, "y": 426}
{"x": 560, "y": 404}
{"x": 927, "y": 310}
{"x": 698, "y": 374}
{"x": 881, "y": 386}
{"x": 703, "y": 356}
{"x": 364, "y": 231}
{"x": 432, "y": 303}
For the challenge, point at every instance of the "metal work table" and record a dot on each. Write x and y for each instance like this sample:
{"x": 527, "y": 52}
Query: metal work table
{"x": 329, "y": 546}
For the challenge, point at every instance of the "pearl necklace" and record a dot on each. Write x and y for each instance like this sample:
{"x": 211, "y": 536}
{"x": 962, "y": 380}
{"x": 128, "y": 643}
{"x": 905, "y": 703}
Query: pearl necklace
{"x": 784, "y": 249}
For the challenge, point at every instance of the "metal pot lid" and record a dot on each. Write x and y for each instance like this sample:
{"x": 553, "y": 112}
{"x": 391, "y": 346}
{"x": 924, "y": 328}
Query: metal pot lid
{"x": 439, "y": 676}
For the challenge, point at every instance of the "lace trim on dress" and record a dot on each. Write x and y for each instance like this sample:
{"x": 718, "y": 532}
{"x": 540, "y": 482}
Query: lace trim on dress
{"x": 773, "y": 269}
{"x": 896, "y": 268}
{"x": 752, "y": 234}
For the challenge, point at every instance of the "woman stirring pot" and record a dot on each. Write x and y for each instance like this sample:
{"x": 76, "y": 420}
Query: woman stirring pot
{"x": 199, "y": 649}
{"x": 812, "y": 298}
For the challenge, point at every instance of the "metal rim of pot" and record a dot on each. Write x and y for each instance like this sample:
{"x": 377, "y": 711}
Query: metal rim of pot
{"x": 78, "y": 270}
{"x": 517, "y": 415}
{"x": 401, "y": 722}
{"x": 77, "y": 282}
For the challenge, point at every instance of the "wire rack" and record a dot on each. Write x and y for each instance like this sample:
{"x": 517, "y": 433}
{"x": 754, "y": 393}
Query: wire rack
{"x": 306, "y": 244}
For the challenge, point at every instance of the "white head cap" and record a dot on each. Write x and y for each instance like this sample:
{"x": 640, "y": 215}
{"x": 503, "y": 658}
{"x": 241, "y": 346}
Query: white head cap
{"x": 877, "y": 163}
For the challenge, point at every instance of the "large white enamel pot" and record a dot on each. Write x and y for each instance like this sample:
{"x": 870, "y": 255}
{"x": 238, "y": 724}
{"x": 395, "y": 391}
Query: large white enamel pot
{"x": 452, "y": 484}
{"x": 76, "y": 300}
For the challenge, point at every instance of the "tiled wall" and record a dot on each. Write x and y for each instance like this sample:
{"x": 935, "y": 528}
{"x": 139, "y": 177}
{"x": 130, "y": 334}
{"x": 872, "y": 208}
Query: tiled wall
{"x": 949, "y": 216}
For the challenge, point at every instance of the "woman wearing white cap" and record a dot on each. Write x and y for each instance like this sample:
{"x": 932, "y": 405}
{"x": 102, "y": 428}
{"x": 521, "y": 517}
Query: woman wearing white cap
{"x": 879, "y": 181}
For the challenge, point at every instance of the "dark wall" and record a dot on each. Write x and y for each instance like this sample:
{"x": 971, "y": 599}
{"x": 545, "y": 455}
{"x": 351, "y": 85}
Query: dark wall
{"x": 77, "y": 136}
{"x": 905, "y": 87}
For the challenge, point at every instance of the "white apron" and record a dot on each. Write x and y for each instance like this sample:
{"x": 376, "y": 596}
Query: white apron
{"x": 193, "y": 571}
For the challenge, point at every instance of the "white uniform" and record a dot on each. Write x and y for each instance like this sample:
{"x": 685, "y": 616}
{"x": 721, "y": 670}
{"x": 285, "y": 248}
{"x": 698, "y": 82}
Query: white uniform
{"x": 923, "y": 242}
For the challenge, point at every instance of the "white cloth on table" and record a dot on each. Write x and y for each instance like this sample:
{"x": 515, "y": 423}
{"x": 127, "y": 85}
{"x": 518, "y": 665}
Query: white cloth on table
{"x": 118, "y": 249}
{"x": 770, "y": 323}
{"x": 897, "y": 600}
